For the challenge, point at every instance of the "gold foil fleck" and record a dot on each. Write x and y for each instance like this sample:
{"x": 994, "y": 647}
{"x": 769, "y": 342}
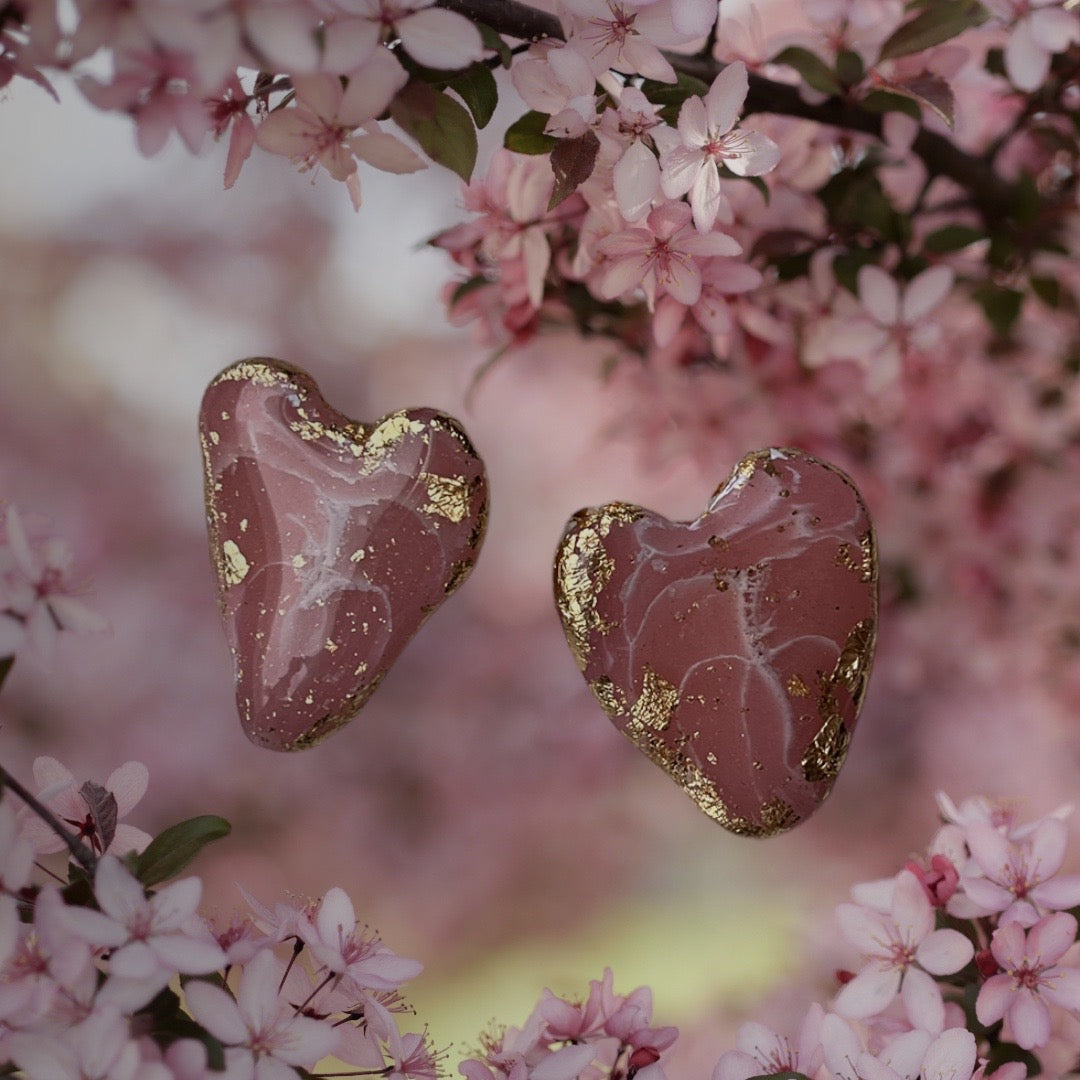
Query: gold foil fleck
{"x": 710, "y": 757}
{"x": 299, "y": 562}
{"x": 459, "y": 571}
{"x": 234, "y": 565}
{"x": 331, "y": 646}
{"x": 658, "y": 701}
{"x": 215, "y": 438}
{"x": 796, "y": 687}
{"x": 829, "y": 747}
{"x": 255, "y": 371}
{"x": 450, "y": 496}
{"x": 868, "y": 550}
{"x": 243, "y": 524}
{"x": 757, "y": 766}
{"x": 357, "y": 555}
{"x": 609, "y": 695}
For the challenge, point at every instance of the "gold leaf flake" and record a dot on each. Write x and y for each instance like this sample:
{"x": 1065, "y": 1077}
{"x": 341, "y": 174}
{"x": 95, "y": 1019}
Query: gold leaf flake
{"x": 449, "y": 496}
{"x": 234, "y": 565}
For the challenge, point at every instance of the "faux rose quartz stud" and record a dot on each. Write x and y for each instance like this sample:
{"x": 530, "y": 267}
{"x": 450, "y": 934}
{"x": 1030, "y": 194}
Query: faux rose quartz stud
{"x": 332, "y": 542}
{"x": 733, "y": 650}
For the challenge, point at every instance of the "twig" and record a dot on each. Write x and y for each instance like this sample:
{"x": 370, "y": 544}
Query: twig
{"x": 79, "y": 851}
{"x": 991, "y": 195}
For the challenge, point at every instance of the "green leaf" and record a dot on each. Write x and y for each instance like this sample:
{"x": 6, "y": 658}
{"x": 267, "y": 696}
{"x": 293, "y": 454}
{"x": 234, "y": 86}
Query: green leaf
{"x": 526, "y": 135}
{"x": 846, "y": 267}
{"x": 572, "y": 162}
{"x": 883, "y": 101}
{"x": 6, "y": 664}
{"x": 1001, "y": 306}
{"x": 476, "y": 87}
{"x": 815, "y": 72}
{"x": 857, "y": 203}
{"x": 493, "y": 40}
{"x": 929, "y": 90}
{"x": 995, "y": 62}
{"x": 670, "y": 96}
{"x": 1047, "y": 289}
{"x": 1005, "y": 1052}
{"x": 439, "y": 124}
{"x": 470, "y": 285}
{"x": 849, "y": 67}
{"x": 170, "y": 851}
{"x": 952, "y": 238}
{"x": 941, "y": 21}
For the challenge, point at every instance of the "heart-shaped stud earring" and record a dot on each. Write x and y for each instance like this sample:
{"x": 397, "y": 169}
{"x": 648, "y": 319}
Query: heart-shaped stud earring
{"x": 332, "y": 542}
{"x": 734, "y": 650}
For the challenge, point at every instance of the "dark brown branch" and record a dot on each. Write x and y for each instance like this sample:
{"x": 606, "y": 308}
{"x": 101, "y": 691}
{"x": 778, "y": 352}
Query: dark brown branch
{"x": 991, "y": 195}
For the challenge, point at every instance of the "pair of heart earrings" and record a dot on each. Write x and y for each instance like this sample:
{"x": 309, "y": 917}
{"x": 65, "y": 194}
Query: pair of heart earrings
{"x": 733, "y": 650}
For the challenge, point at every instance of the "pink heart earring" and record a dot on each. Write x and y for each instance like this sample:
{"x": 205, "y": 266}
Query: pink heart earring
{"x": 332, "y": 542}
{"x": 733, "y": 650}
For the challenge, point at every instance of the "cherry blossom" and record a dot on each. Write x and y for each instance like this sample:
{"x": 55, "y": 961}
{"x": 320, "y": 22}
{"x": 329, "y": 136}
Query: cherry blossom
{"x": 338, "y": 945}
{"x": 150, "y": 938}
{"x": 230, "y": 110}
{"x": 761, "y": 1051}
{"x": 559, "y": 82}
{"x": 319, "y": 129}
{"x": 891, "y": 326}
{"x": 1018, "y": 878}
{"x": 898, "y": 948}
{"x": 662, "y": 257}
{"x": 36, "y": 592}
{"x": 97, "y": 1048}
{"x": 262, "y": 1033}
{"x": 1031, "y": 978}
{"x": 708, "y": 138}
{"x": 1038, "y": 29}
{"x": 626, "y": 136}
{"x": 57, "y": 789}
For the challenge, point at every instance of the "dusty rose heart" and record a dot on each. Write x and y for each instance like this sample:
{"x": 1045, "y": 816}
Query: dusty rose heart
{"x": 332, "y": 542}
{"x": 734, "y": 650}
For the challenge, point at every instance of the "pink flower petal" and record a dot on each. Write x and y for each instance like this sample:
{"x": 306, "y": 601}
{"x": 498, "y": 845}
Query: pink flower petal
{"x": 371, "y": 89}
{"x": 335, "y": 920}
{"x": 536, "y": 254}
{"x": 188, "y": 955}
{"x": 283, "y": 35}
{"x": 1007, "y": 945}
{"x": 347, "y": 44}
{"x": 705, "y": 197}
{"x": 679, "y": 170}
{"x": 257, "y": 996}
{"x": 683, "y": 281}
{"x": 128, "y": 783}
{"x": 758, "y": 154}
{"x": 386, "y": 152}
{"x": 994, "y": 999}
{"x": 1050, "y": 938}
{"x": 1026, "y": 62}
{"x": 924, "y": 293}
{"x": 623, "y": 275}
{"x": 879, "y": 294}
{"x": 636, "y": 180}
{"x": 944, "y": 952}
{"x": 216, "y": 1011}
{"x": 1054, "y": 29}
{"x": 118, "y": 894}
{"x": 288, "y": 132}
{"x": 922, "y": 1001}
{"x": 951, "y": 1055}
{"x": 1059, "y": 892}
{"x": 1030, "y": 1019}
{"x": 725, "y": 98}
{"x": 440, "y": 39}
{"x": 868, "y": 993}
{"x": 693, "y": 123}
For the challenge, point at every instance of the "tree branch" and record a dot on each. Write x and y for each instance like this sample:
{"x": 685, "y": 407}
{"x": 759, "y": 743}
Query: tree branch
{"x": 991, "y": 195}
{"x": 79, "y": 851}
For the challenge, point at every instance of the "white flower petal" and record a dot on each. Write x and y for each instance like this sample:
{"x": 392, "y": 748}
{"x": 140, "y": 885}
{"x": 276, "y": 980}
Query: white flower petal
{"x": 216, "y": 1011}
{"x": 371, "y": 89}
{"x": 879, "y": 294}
{"x": 924, "y": 292}
{"x": 440, "y": 39}
{"x": 725, "y": 98}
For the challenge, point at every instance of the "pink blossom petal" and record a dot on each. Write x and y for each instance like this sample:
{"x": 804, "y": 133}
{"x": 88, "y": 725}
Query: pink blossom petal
{"x": 188, "y": 955}
{"x": 683, "y": 281}
{"x": 348, "y": 44}
{"x": 1059, "y": 892}
{"x": 306, "y": 1041}
{"x": 1026, "y": 62}
{"x": 1063, "y": 988}
{"x": 93, "y": 927}
{"x": 564, "y": 1064}
{"x": 694, "y": 18}
{"x": 725, "y": 98}
{"x": 386, "y": 152}
{"x": 905, "y": 1053}
{"x": 536, "y": 254}
{"x": 736, "y": 1065}
{"x": 1048, "y": 843}
{"x": 1030, "y": 1019}
{"x": 951, "y": 1056}
{"x": 986, "y": 894}
{"x": 924, "y": 293}
{"x": 371, "y": 89}
{"x": 680, "y": 169}
{"x": 335, "y": 920}
{"x": 216, "y": 1011}
{"x": 1050, "y": 938}
{"x": 135, "y": 960}
{"x": 118, "y": 894}
{"x": 994, "y": 999}
{"x": 757, "y": 155}
{"x": 176, "y": 903}
{"x": 693, "y": 123}
{"x": 440, "y": 39}
{"x": 1054, "y": 29}
{"x": 19, "y": 544}
{"x": 944, "y": 952}
{"x": 128, "y": 783}
{"x": 41, "y": 1055}
{"x": 287, "y": 132}
{"x": 1007, "y": 945}
{"x": 911, "y": 909}
{"x": 12, "y": 636}
{"x": 283, "y": 35}
{"x": 257, "y": 996}
{"x": 922, "y": 1001}
{"x": 711, "y": 244}
{"x": 636, "y": 180}
{"x": 641, "y": 55}
{"x": 74, "y": 615}
{"x": 622, "y": 275}
{"x": 879, "y": 294}
{"x": 319, "y": 94}
{"x": 241, "y": 142}
{"x": 667, "y": 320}
{"x": 860, "y": 926}
{"x": 705, "y": 198}
{"x": 868, "y": 993}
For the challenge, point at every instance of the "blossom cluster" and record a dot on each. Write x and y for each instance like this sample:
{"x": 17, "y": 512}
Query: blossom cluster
{"x": 651, "y": 212}
{"x": 966, "y": 963}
